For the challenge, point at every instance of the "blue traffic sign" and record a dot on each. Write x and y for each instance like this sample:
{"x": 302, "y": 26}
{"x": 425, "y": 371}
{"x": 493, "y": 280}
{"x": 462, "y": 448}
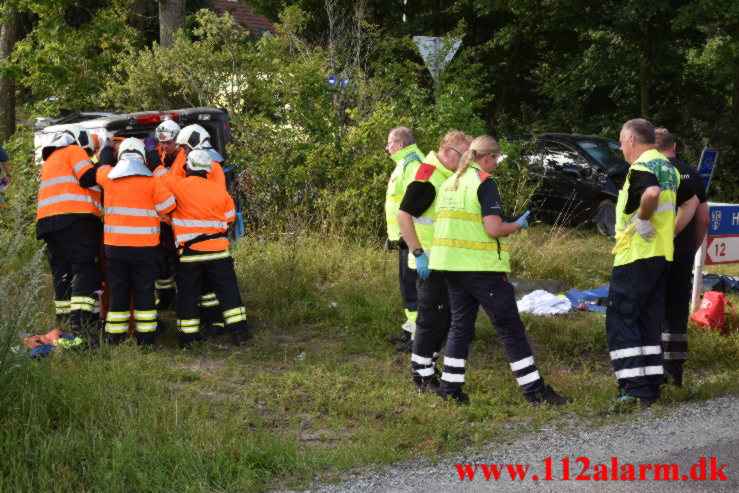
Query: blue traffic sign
{"x": 706, "y": 165}
{"x": 724, "y": 219}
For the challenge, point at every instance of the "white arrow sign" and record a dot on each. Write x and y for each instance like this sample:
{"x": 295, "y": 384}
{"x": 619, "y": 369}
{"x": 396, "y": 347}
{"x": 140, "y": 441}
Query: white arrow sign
{"x": 722, "y": 250}
{"x": 436, "y": 53}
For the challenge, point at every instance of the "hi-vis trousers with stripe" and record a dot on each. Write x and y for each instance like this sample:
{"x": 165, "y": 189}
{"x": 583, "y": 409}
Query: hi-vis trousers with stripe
{"x": 131, "y": 271}
{"x": 677, "y": 311}
{"x": 217, "y": 268}
{"x": 468, "y": 291}
{"x": 633, "y": 325}
{"x": 74, "y": 257}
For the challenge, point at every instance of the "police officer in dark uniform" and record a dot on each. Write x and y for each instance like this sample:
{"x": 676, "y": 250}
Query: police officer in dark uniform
{"x": 693, "y": 215}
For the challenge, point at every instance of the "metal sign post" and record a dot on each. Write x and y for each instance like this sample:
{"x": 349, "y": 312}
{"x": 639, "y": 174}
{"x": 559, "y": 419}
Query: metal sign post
{"x": 721, "y": 245}
{"x": 437, "y": 53}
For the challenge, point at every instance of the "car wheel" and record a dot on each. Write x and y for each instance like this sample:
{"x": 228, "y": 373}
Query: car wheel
{"x": 605, "y": 218}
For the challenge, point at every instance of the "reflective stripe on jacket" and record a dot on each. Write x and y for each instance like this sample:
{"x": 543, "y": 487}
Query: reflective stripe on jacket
{"x": 216, "y": 174}
{"x": 461, "y": 242}
{"x": 631, "y": 246}
{"x": 203, "y": 208}
{"x": 60, "y": 191}
{"x": 432, "y": 171}
{"x": 407, "y": 161}
{"x": 133, "y": 205}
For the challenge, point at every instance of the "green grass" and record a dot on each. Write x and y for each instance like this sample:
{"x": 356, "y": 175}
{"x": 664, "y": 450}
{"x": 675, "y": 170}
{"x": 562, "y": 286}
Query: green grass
{"x": 319, "y": 390}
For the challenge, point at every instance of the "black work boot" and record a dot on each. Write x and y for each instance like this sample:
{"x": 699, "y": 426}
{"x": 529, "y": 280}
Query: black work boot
{"x": 457, "y": 397}
{"x": 402, "y": 336}
{"x": 548, "y": 396}
{"x": 427, "y": 384}
{"x": 405, "y": 347}
{"x": 146, "y": 338}
{"x": 673, "y": 375}
{"x": 188, "y": 339}
{"x": 240, "y": 338}
{"x": 115, "y": 339}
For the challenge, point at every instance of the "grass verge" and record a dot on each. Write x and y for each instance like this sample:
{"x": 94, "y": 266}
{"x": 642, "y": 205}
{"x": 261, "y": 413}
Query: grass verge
{"x": 319, "y": 390}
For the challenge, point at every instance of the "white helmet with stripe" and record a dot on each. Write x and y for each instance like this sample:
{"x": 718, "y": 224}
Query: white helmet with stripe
{"x": 167, "y": 130}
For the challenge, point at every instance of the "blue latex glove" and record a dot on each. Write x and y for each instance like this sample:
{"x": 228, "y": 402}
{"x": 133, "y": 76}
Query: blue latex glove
{"x": 523, "y": 221}
{"x": 422, "y": 266}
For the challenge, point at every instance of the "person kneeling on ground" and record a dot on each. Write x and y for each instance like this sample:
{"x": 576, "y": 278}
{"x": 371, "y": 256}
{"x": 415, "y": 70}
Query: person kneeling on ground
{"x": 470, "y": 244}
{"x": 203, "y": 211}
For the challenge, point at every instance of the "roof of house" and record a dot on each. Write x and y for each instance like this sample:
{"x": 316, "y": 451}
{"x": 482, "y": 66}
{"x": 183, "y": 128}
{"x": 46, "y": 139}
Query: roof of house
{"x": 243, "y": 14}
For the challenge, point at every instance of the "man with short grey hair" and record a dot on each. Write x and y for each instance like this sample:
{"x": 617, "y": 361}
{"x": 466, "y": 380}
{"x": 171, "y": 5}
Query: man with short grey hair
{"x": 645, "y": 225}
{"x": 401, "y": 145}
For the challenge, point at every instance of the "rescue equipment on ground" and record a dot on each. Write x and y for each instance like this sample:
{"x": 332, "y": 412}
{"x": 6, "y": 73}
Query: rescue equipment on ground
{"x": 711, "y": 314}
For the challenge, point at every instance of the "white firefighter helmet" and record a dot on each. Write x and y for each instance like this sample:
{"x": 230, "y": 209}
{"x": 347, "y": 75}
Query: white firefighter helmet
{"x": 199, "y": 160}
{"x": 82, "y": 137}
{"x": 167, "y": 130}
{"x": 134, "y": 146}
{"x": 131, "y": 160}
{"x": 192, "y": 136}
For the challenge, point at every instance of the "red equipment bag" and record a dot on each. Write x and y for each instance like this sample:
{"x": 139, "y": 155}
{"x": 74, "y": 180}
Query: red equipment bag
{"x": 711, "y": 313}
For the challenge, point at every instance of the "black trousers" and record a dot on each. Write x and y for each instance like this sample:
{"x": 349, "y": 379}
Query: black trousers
{"x": 74, "y": 257}
{"x": 407, "y": 279}
{"x": 132, "y": 272}
{"x": 221, "y": 276}
{"x": 633, "y": 325}
{"x": 677, "y": 309}
{"x": 468, "y": 291}
{"x": 432, "y": 324}
{"x": 165, "y": 284}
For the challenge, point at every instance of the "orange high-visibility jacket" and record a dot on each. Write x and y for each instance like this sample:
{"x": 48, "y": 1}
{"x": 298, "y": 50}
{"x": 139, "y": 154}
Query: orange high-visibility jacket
{"x": 203, "y": 207}
{"x": 216, "y": 174}
{"x": 60, "y": 191}
{"x": 133, "y": 205}
{"x": 179, "y": 160}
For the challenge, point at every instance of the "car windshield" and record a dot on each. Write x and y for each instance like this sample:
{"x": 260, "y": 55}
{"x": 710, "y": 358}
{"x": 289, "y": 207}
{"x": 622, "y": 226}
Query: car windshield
{"x": 607, "y": 153}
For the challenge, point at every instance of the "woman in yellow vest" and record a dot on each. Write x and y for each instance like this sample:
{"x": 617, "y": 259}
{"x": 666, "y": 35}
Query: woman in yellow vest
{"x": 471, "y": 246}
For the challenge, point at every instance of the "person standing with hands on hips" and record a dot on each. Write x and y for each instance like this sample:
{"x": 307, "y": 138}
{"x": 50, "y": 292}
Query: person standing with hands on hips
{"x": 471, "y": 246}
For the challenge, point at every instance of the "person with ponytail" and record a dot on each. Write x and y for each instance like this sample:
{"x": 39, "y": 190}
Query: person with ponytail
{"x": 470, "y": 245}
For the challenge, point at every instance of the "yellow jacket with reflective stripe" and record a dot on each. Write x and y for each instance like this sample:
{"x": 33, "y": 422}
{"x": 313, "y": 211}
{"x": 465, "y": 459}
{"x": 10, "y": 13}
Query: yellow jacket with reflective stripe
{"x": 407, "y": 161}
{"x": 432, "y": 171}
{"x": 631, "y": 246}
{"x": 460, "y": 240}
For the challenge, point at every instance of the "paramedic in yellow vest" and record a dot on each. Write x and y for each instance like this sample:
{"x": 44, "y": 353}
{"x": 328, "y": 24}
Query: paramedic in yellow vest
{"x": 401, "y": 144}
{"x": 416, "y": 222}
{"x": 471, "y": 245}
{"x": 645, "y": 225}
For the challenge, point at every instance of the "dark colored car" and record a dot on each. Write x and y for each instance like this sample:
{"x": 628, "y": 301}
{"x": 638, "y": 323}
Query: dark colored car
{"x": 581, "y": 177}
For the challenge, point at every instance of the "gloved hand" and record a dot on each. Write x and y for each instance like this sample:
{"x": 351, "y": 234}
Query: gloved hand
{"x": 107, "y": 156}
{"x": 151, "y": 143}
{"x": 422, "y": 266}
{"x": 523, "y": 221}
{"x": 646, "y": 229}
{"x": 152, "y": 159}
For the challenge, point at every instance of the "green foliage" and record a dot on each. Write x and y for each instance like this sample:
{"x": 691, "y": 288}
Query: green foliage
{"x": 70, "y": 52}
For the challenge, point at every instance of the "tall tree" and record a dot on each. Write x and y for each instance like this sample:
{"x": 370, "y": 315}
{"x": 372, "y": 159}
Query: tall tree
{"x": 8, "y": 36}
{"x": 171, "y": 20}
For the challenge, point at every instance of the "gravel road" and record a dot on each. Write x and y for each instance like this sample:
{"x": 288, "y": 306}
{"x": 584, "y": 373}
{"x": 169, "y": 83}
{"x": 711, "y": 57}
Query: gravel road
{"x": 682, "y": 436}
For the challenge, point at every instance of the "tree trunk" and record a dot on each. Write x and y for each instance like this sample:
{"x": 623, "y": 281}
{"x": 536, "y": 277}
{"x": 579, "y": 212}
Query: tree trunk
{"x": 645, "y": 94}
{"x": 8, "y": 37}
{"x": 501, "y": 97}
{"x": 171, "y": 20}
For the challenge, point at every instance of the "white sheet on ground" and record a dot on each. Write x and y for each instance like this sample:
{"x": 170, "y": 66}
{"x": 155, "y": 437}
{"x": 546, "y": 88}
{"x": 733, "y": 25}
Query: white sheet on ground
{"x": 541, "y": 302}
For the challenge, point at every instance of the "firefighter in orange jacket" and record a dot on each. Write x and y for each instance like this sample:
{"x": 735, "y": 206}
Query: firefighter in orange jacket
{"x": 169, "y": 156}
{"x": 190, "y": 138}
{"x": 200, "y": 221}
{"x": 68, "y": 220}
{"x": 134, "y": 201}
